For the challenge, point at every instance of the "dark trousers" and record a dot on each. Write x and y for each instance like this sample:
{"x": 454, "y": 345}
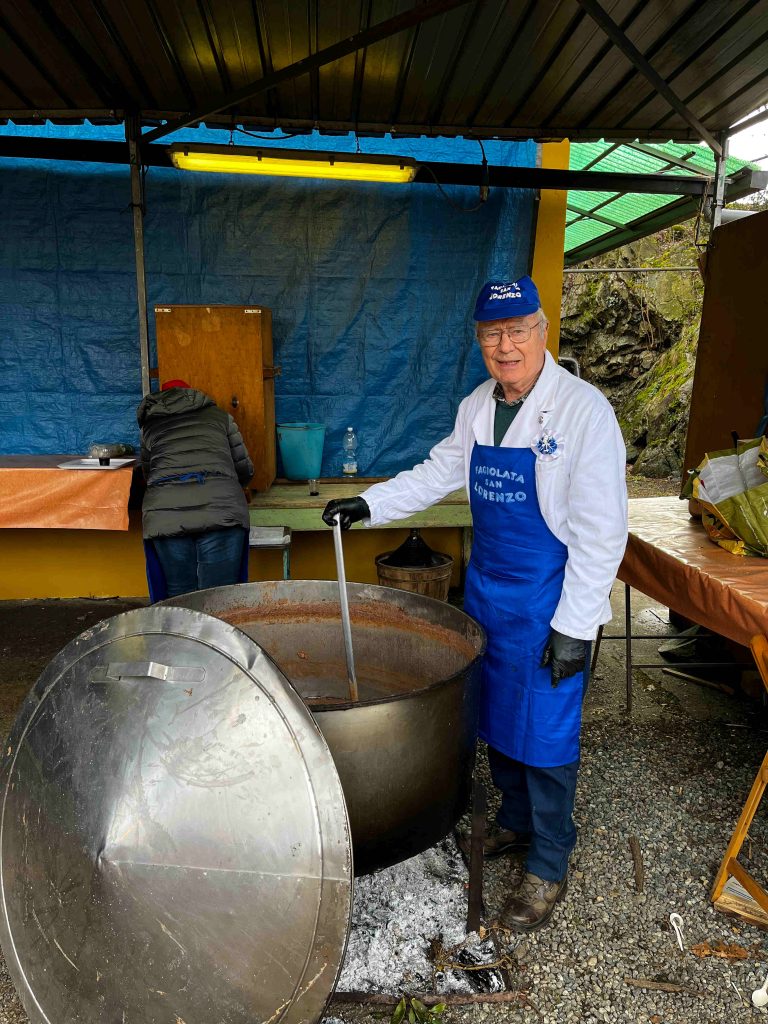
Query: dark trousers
{"x": 538, "y": 802}
{"x": 196, "y": 561}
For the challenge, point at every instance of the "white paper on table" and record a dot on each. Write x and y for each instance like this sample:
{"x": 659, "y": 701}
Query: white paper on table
{"x": 88, "y": 463}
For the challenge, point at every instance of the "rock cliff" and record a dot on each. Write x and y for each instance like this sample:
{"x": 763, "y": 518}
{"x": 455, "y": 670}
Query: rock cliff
{"x": 634, "y": 336}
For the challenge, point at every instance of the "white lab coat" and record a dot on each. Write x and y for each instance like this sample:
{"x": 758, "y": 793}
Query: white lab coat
{"x": 582, "y": 492}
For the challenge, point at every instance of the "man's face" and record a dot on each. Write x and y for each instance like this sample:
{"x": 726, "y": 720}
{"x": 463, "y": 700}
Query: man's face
{"x": 513, "y": 350}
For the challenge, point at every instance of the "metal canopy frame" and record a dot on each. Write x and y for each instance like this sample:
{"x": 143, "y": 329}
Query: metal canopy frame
{"x": 89, "y": 76}
{"x": 750, "y": 122}
{"x": 429, "y": 172}
{"x": 719, "y": 146}
{"x": 138, "y": 205}
{"x": 301, "y": 125}
{"x": 631, "y": 52}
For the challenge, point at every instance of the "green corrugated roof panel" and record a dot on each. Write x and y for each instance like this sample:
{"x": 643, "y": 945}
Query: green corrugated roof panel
{"x": 592, "y": 215}
{"x": 585, "y": 231}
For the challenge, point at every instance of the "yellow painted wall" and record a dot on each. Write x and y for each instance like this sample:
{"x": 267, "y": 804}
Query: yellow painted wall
{"x": 72, "y": 563}
{"x": 548, "y": 261}
{"x": 101, "y": 563}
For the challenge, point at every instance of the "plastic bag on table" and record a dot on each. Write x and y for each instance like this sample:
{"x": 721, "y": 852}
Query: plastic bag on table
{"x": 732, "y": 488}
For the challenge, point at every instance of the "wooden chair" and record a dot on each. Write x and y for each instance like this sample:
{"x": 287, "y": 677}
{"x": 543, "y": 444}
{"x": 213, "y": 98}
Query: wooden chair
{"x": 735, "y": 891}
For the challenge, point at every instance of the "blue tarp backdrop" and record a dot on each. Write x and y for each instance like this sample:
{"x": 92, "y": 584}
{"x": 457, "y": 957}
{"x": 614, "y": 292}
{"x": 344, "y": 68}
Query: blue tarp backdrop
{"x": 371, "y": 289}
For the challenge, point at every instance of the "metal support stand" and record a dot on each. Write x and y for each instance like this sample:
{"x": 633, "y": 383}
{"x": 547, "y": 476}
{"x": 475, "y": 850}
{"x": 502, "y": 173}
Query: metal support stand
{"x": 273, "y": 538}
{"x": 628, "y": 636}
{"x": 477, "y": 837}
{"x": 132, "y": 137}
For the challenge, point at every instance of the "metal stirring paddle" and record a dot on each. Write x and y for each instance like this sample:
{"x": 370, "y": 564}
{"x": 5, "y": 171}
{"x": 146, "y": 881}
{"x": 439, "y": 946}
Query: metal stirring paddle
{"x": 345, "y": 623}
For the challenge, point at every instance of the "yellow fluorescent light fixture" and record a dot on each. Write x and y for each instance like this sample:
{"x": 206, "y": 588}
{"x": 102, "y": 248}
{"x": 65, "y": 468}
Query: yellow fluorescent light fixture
{"x": 292, "y": 163}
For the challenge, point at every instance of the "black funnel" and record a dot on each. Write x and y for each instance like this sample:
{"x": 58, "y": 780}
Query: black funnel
{"x": 414, "y": 553}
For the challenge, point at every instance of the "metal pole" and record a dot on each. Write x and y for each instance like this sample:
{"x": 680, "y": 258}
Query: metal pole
{"x": 718, "y": 197}
{"x": 476, "y": 841}
{"x": 596, "y": 651}
{"x": 630, "y": 270}
{"x": 132, "y": 135}
{"x": 346, "y": 625}
{"x": 628, "y": 648}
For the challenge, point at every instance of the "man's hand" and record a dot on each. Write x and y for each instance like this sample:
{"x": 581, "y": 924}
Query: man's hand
{"x": 566, "y": 655}
{"x": 347, "y": 510}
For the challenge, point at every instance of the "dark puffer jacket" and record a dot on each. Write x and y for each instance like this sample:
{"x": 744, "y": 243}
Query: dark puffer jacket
{"x": 185, "y": 434}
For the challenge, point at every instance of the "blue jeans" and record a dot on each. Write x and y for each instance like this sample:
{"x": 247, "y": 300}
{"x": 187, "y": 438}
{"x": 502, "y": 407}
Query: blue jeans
{"x": 196, "y": 561}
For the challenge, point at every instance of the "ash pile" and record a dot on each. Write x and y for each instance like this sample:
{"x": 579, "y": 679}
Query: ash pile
{"x": 408, "y": 932}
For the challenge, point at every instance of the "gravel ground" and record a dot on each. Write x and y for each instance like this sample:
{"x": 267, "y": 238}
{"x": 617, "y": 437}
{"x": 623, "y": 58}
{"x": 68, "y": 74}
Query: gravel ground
{"x": 650, "y": 487}
{"x": 675, "y": 777}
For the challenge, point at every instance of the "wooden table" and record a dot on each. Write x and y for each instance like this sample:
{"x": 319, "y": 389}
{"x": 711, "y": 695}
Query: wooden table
{"x": 670, "y": 559}
{"x": 36, "y": 494}
{"x": 290, "y": 504}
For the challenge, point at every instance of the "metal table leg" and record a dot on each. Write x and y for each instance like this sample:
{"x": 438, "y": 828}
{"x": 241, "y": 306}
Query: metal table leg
{"x": 628, "y": 643}
{"x": 596, "y": 652}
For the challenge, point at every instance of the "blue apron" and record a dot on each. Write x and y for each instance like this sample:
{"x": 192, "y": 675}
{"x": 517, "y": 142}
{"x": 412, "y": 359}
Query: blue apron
{"x": 513, "y": 586}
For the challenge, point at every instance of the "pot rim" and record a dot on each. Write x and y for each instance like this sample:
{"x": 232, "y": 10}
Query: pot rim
{"x": 404, "y": 595}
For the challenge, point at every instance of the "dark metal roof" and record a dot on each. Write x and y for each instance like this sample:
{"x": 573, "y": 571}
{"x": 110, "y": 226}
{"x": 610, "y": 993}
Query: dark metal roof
{"x": 505, "y": 68}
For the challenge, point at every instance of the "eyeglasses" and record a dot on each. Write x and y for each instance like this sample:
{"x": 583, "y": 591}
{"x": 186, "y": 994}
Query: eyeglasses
{"x": 519, "y": 335}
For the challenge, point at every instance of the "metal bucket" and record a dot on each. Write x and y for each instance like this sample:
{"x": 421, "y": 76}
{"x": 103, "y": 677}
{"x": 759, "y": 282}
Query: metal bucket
{"x": 405, "y": 751}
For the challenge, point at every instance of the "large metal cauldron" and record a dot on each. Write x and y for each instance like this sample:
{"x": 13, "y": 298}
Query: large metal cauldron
{"x": 405, "y": 751}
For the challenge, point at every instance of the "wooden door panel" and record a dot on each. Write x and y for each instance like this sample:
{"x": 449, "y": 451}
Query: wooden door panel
{"x": 223, "y": 351}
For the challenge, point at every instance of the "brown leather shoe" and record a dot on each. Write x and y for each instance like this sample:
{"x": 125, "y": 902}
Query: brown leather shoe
{"x": 496, "y": 842}
{"x": 516, "y": 871}
{"x": 531, "y": 905}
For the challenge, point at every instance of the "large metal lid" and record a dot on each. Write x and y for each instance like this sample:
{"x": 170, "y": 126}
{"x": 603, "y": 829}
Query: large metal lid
{"x": 174, "y": 844}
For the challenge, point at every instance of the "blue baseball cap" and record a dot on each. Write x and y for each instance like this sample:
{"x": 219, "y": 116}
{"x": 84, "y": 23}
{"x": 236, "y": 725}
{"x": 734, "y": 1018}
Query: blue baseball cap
{"x": 499, "y": 300}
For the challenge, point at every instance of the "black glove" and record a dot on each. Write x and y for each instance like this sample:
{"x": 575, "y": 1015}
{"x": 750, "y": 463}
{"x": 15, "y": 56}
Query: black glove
{"x": 347, "y": 510}
{"x": 566, "y": 655}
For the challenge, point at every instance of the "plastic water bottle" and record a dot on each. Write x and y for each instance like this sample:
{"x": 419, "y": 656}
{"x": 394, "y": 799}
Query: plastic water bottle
{"x": 349, "y": 457}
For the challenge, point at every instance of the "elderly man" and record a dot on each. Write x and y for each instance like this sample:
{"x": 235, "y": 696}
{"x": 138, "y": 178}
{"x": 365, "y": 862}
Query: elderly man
{"x": 542, "y": 458}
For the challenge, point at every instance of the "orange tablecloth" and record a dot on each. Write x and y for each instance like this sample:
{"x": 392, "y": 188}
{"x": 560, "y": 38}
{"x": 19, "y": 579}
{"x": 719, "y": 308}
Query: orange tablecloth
{"x": 670, "y": 558}
{"x": 35, "y": 493}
